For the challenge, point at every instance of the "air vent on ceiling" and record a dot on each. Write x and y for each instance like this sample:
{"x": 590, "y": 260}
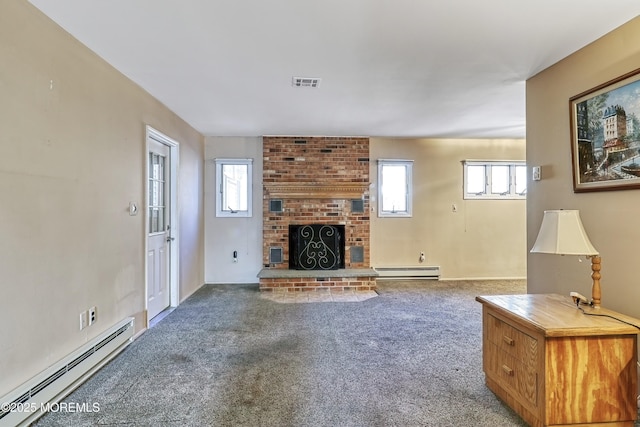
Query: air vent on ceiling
{"x": 305, "y": 81}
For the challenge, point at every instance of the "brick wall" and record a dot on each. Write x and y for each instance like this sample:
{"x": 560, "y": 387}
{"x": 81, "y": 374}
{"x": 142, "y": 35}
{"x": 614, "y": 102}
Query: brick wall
{"x": 302, "y": 284}
{"x": 316, "y": 159}
{"x": 320, "y": 168}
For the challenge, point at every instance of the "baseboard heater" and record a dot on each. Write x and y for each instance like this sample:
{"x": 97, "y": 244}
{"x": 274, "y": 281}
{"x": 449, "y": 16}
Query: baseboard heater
{"x": 30, "y": 401}
{"x": 432, "y": 272}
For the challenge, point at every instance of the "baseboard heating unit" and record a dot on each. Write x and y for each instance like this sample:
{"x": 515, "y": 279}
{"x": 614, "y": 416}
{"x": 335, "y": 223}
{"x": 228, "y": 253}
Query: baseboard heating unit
{"x": 27, "y": 403}
{"x": 432, "y": 272}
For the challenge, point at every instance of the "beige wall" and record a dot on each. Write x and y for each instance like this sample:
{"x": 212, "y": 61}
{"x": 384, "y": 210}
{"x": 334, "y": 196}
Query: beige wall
{"x": 225, "y": 235}
{"x": 483, "y": 239}
{"x": 610, "y": 218}
{"x": 72, "y": 156}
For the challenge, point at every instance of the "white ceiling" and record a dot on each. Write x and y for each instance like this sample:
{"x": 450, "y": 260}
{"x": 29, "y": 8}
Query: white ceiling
{"x": 395, "y": 68}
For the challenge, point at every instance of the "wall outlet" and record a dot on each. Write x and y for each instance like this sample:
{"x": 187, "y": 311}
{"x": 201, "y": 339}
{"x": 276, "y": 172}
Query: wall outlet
{"x": 83, "y": 320}
{"x": 93, "y": 315}
{"x": 535, "y": 173}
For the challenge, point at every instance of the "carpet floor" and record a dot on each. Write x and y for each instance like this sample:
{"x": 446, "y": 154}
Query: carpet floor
{"x": 411, "y": 356}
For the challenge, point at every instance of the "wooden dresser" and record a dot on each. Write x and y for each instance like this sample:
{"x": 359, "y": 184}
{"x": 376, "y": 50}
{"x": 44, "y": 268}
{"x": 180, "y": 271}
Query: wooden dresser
{"x": 554, "y": 365}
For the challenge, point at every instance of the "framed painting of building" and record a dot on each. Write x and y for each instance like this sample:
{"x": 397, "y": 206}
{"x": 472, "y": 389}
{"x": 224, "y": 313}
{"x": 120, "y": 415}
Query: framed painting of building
{"x": 605, "y": 135}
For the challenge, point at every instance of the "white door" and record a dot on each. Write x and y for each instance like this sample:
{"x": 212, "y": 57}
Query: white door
{"x": 159, "y": 237}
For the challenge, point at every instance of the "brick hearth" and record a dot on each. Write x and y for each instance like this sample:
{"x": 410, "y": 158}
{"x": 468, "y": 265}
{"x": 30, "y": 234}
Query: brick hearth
{"x": 316, "y": 180}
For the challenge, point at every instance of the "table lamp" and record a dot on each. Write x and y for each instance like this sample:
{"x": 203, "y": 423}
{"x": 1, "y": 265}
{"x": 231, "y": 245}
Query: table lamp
{"x": 562, "y": 233}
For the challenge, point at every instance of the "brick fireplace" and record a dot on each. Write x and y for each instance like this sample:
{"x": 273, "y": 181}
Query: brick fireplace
{"x": 316, "y": 181}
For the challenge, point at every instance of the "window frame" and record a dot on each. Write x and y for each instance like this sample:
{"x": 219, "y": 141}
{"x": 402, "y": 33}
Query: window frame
{"x": 487, "y": 194}
{"x": 157, "y": 189}
{"x": 226, "y": 213}
{"x": 408, "y": 212}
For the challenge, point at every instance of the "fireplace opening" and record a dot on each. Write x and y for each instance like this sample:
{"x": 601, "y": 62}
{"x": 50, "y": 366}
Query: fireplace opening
{"x": 316, "y": 247}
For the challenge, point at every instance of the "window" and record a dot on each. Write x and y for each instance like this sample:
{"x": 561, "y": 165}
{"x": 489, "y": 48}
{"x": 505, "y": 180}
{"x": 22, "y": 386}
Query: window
{"x": 394, "y": 188}
{"x": 157, "y": 188}
{"x": 495, "y": 180}
{"x": 233, "y": 198}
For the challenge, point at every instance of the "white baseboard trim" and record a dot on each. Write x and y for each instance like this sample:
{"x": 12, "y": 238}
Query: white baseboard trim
{"x": 31, "y": 400}
{"x": 451, "y": 279}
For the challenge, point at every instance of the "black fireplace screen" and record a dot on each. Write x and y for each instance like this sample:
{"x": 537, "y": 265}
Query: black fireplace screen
{"x": 316, "y": 247}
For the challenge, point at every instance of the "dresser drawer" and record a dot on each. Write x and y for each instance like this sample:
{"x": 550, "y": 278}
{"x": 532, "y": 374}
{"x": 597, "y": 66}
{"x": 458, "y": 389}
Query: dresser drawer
{"x": 512, "y": 374}
{"x": 512, "y": 341}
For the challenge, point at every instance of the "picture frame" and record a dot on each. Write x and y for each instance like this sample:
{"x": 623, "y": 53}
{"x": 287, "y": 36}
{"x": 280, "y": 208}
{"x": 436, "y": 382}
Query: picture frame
{"x": 605, "y": 135}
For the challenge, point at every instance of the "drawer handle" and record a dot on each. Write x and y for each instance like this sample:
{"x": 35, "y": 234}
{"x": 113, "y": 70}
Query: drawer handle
{"x": 507, "y": 370}
{"x": 508, "y": 340}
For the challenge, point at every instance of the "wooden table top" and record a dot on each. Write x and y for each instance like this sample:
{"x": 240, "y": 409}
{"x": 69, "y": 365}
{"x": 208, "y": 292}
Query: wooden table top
{"x": 555, "y": 315}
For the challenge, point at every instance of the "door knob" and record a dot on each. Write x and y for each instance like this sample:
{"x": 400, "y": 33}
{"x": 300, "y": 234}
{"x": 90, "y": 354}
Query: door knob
{"x": 170, "y": 239}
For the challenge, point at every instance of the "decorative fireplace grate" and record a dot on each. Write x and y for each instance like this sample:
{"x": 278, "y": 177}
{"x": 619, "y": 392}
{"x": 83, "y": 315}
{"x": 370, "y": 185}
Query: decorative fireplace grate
{"x": 316, "y": 247}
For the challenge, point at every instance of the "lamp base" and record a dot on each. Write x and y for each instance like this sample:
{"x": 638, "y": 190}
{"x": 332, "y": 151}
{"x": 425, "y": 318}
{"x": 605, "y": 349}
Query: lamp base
{"x": 596, "y": 292}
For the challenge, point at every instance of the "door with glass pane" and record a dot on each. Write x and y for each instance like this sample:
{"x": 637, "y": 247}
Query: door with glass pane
{"x": 158, "y": 233}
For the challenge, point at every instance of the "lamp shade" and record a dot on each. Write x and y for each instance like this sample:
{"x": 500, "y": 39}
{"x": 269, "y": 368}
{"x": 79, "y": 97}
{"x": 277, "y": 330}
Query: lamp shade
{"x": 562, "y": 233}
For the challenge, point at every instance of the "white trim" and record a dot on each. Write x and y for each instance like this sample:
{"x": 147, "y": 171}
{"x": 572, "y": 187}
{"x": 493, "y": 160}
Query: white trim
{"x": 408, "y": 272}
{"x": 491, "y": 161}
{"x": 487, "y": 194}
{"x": 58, "y": 380}
{"x": 224, "y": 213}
{"x": 451, "y": 279}
{"x": 408, "y": 164}
{"x": 174, "y": 267}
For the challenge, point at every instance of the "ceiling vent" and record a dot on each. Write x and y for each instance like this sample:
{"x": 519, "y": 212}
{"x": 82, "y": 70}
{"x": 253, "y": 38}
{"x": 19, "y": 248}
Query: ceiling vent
{"x": 305, "y": 81}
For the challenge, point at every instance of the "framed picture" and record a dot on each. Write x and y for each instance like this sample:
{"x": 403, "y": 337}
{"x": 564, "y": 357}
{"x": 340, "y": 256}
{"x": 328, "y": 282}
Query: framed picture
{"x": 605, "y": 135}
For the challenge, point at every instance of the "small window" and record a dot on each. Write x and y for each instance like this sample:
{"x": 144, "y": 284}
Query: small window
{"x": 495, "y": 180}
{"x": 234, "y": 178}
{"x": 157, "y": 189}
{"x": 394, "y": 188}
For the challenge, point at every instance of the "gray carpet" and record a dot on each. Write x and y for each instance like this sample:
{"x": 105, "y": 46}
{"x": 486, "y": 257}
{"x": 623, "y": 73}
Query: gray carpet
{"x": 226, "y": 357}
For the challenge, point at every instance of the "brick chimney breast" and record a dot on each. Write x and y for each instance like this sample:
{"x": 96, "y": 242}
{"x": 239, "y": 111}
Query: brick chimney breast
{"x": 316, "y": 179}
